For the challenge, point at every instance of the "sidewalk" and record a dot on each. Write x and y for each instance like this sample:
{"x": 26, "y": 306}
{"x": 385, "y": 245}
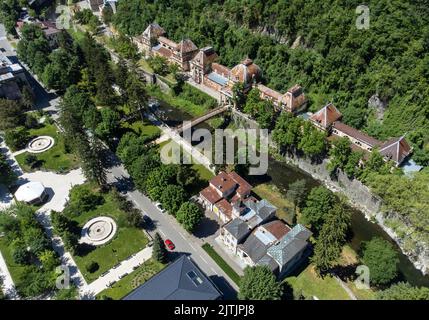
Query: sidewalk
{"x": 124, "y": 268}
{"x": 8, "y": 285}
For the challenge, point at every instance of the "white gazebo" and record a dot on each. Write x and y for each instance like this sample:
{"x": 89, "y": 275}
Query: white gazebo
{"x": 31, "y": 193}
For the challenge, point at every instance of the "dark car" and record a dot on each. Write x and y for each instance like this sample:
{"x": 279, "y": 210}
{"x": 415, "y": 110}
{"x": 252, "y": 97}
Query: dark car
{"x": 148, "y": 221}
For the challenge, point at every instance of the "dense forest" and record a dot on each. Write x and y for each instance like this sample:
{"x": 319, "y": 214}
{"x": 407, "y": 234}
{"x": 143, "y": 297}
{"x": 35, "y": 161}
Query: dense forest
{"x": 334, "y": 60}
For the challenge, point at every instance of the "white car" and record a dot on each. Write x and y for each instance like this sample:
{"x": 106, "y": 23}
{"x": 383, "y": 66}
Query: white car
{"x": 160, "y": 207}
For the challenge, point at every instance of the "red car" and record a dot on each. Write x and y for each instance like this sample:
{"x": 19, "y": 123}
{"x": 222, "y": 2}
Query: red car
{"x": 170, "y": 245}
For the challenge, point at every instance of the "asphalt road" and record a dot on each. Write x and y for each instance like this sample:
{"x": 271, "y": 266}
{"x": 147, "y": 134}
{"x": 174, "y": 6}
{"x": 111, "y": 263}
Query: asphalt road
{"x": 169, "y": 228}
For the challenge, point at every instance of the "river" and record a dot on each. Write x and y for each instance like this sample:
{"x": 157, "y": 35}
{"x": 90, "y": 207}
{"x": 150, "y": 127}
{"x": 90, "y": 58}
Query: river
{"x": 281, "y": 175}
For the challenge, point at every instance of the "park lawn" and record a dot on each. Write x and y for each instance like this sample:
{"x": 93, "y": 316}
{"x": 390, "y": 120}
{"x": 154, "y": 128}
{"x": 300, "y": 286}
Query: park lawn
{"x": 350, "y": 257}
{"x": 309, "y": 284}
{"x": 143, "y": 129}
{"x": 132, "y": 281}
{"x": 127, "y": 241}
{"x": 222, "y": 263}
{"x": 16, "y": 271}
{"x": 276, "y": 198}
{"x": 55, "y": 159}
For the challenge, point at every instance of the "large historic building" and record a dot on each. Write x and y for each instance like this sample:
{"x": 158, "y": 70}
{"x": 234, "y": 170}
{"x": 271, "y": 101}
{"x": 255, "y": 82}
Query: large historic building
{"x": 328, "y": 119}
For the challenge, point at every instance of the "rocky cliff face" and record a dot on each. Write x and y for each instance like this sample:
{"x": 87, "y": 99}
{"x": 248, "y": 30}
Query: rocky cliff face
{"x": 378, "y": 105}
{"x": 361, "y": 198}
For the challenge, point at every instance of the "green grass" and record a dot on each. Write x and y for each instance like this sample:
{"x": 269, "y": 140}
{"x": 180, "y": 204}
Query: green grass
{"x": 16, "y": 271}
{"x": 273, "y": 195}
{"x": 77, "y": 34}
{"x": 55, "y": 159}
{"x": 143, "y": 129}
{"x": 127, "y": 241}
{"x": 135, "y": 279}
{"x": 178, "y": 102}
{"x": 145, "y": 65}
{"x": 204, "y": 173}
{"x": 221, "y": 263}
{"x": 309, "y": 284}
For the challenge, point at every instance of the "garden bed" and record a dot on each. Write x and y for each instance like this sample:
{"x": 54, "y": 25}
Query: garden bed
{"x": 132, "y": 281}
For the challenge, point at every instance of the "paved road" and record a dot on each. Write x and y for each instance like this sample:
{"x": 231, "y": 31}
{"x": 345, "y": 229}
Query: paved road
{"x": 185, "y": 243}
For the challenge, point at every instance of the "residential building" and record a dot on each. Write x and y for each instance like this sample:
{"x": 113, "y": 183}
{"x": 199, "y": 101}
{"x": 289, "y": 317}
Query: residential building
{"x": 11, "y": 76}
{"x": 325, "y": 117}
{"x": 255, "y": 247}
{"x": 355, "y": 136}
{"x": 226, "y": 191}
{"x": 289, "y": 251}
{"x": 293, "y": 100}
{"x": 149, "y": 38}
{"x": 396, "y": 150}
{"x": 51, "y": 33}
{"x": 276, "y": 245}
{"x": 254, "y": 214}
{"x": 201, "y": 64}
{"x": 181, "y": 280}
{"x": 179, "y": 53}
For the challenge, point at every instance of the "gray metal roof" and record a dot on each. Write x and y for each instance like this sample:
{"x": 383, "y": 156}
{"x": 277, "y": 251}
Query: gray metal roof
{"x": 266, "y": 260}
{"x": 254, "y": 248}
{"x": 292, "y": 243}
{"x": 181, "y": 280}
{"x": 262, "y": 208}
{"x": 238, "y": 228}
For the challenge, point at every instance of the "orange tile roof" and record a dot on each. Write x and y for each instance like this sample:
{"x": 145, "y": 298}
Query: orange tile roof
{"x": 223, "y": 182}
{"x": 326, "y": 116}
{"x": 210, "y": 194}
{"x": 225, "y": 207}
{"x": 277, "y": 228}
{"x": 396, "y": 149}
{"x": 354, "y": 133}
{"x": 243, "y": 186}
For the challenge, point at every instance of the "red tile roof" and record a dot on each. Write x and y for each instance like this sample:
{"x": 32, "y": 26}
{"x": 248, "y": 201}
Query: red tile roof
{"x": 211, "y": 195}
{"x": 223, "y": 182}
{"x": 277, "y": 228}
{"x": 396, "y": 149}
{"x": 356, "y": 134}
{"x": 220, "y": 69}
{"x": 243, "y": 186}
{"x": 225, "y": 207}
{"x": 326, "y": 116}
{"x": 168, "y": 42}
{"x": 164, "y": 52}
{"x": 270, "y": 92}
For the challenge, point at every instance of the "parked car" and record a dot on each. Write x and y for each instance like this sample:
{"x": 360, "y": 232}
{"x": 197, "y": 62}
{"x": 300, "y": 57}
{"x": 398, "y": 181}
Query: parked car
{"x": 148, "y": 221}
{"x": 170, "y": 245}
{"x": 160, "y": 207}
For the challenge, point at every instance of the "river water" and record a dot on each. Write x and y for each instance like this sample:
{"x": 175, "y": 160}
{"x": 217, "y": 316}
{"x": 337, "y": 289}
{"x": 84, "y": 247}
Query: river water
{"x": 281, "y": 175}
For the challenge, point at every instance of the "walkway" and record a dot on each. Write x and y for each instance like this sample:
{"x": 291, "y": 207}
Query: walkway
{"x": 8, "y": 285}
{"x": 118, "y": 272}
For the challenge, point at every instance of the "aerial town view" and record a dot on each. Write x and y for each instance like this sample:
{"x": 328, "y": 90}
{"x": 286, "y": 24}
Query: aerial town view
{"x": 229, "y": 150}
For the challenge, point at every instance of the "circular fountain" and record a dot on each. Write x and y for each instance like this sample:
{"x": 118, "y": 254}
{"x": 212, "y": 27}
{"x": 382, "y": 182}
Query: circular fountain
{"x": 40, "y": 144}
{"x": 98, "y": 231}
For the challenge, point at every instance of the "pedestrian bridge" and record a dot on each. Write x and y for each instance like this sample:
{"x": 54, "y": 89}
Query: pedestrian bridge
{"x": 205, "y": 117}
